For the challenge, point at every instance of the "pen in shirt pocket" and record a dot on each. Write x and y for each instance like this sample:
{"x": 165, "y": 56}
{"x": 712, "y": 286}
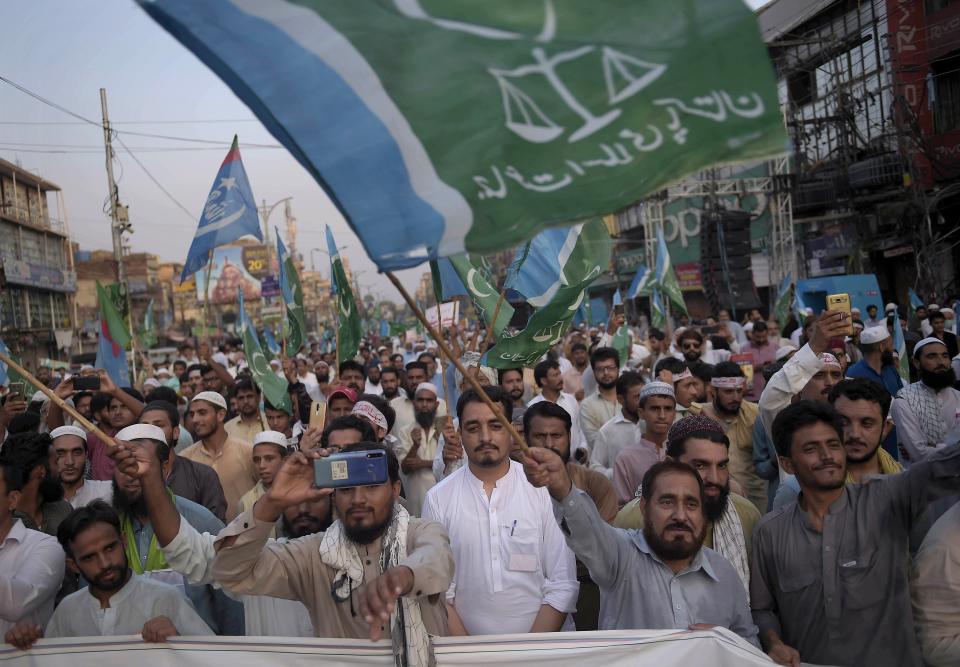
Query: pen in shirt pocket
{"x": 513, "y": 527}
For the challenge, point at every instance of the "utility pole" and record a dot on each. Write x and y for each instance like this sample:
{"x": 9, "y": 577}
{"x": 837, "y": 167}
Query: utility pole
{"x": 119, "y": 220}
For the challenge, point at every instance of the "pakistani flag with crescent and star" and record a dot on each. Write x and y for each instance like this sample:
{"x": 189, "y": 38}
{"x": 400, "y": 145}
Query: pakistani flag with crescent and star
{"x": 292, "y": 292}
{"x": 439, "y": 127}
{"x": 273, "y": 386}
{"x": 349, "y": 328}
{"x": 229, "y": 213}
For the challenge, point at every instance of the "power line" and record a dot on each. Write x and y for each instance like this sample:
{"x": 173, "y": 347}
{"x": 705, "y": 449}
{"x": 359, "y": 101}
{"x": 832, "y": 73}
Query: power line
{"x": 133, "y": 122}
{"x": 156, "y": 182}
{"x": 54, "y": 105}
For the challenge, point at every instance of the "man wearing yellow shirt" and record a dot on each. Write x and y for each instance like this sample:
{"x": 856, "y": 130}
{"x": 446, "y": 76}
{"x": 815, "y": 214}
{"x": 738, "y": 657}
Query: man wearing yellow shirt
{"x": 250, "y": 420}
{"x": 232, "y": 459}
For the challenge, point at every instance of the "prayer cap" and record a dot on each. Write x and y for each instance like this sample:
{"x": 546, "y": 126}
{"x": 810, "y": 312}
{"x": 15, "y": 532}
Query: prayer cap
{"x": 213, "y": 398}
{"x": 691, "y": 424}
{"x": 657, "y": 388}
{"x": 874, "y": 334}
{"x": 923, "y": 343}
{"x": 271, "y": 437}
{"x": 142, "y": 432}
{"x": 68, "y": 430}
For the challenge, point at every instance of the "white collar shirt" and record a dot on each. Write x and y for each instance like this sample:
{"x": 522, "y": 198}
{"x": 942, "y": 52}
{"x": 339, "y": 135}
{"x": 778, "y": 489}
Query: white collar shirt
{"x": 31, "y": 571}
{"x": 141, "y": 599}
{"x": 92, "y": 489}
{"x": 613, "y": 437}
{"x": 511, "y": 557}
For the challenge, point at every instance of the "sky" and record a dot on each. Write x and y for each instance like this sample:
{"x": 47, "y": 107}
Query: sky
{"x": 65, "y": 51}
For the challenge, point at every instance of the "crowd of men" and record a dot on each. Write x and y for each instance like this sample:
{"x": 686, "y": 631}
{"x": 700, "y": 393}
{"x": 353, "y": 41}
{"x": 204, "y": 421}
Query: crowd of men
{"x": 784, "y": 483}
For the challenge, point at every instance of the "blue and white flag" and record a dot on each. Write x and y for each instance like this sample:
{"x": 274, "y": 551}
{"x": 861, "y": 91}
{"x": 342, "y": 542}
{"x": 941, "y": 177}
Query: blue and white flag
{"x": 229, "y": 213}
{"x": 617, "y": 298}
{"x": 3, "y": 366}
{"x": 561, "y": 257}
{"x": 642, "y": 284}
{"x": 271, "y": 342}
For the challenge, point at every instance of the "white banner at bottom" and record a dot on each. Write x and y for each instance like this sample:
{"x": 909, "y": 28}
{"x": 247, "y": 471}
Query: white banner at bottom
{"x": 612, "y": 648}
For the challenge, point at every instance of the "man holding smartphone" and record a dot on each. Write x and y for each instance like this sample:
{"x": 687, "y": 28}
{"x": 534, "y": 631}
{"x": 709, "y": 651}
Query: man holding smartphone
{"x": 373, "y": 561}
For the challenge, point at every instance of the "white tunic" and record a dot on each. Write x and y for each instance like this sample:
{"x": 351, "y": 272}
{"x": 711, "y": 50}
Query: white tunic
{"x": 140, "y": 600}
{"x": 511, "y": 557}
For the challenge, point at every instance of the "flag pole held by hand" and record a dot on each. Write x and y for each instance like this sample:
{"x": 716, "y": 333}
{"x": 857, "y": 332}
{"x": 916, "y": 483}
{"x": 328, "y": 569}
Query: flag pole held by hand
{"x": 498, "y": 411}
{"x": 49, "y": 393}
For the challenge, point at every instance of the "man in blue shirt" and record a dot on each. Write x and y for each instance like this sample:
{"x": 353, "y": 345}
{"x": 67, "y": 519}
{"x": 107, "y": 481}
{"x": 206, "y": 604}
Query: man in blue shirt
{"x": 878, "y": 364}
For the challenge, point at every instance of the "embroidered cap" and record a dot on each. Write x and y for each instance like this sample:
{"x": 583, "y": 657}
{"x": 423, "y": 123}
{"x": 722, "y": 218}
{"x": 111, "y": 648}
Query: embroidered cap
{"x": 657, "y": 388}
{"x": 369, "y": 411}
{"x": 691, "y": 424}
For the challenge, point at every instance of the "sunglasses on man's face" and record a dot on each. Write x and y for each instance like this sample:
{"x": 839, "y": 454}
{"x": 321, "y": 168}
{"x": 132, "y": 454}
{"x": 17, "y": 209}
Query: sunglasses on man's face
{"x": 691, "y": 346}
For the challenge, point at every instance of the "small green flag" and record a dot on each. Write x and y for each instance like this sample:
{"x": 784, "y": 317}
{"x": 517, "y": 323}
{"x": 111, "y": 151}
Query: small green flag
{"x": 781, "y": 308}
{"x": 436, "y": 281}
{"x": 295, "y": 330}
{"x": 273, "y": 386}
{"x": 148, "y": 335}
{"x": 483, "y": 294}
{"x": 350, "y": 330}
{"x": 112, "y": 314}
{"x": 665, "y": 276}
{"x": 658, "y": 318}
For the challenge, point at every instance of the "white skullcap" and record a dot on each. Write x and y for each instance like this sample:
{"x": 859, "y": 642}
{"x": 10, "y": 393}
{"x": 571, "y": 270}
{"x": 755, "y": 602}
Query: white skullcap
{"x": 271, "y": 437}
{"x": 164, "y": 371}
{"x": 221, "y": 359}
{"x": 39, "y": 396}
{"x": 808, "y": 311}
{"x": 211, "y": 397}
{"x": 854, "y": 310}
{"x": 874, "y": 334}
{"x": 784, "y": 351}
{"x": 142, "y": 432}
{"x": 426, "y": 386}
{"x": 748, "y": 327}
{"x": 948, "y": 311}
{"x": 657, "y": 388}
{"x": 68, "y": 430}
{"x": 275, "y": 363}
{"x": 933, "y": 306}
{"x": 151, "y": 382}
{"x": 889, "y": 307}
{"x": 87, "y": 367}
{"x": 923, "y": 343}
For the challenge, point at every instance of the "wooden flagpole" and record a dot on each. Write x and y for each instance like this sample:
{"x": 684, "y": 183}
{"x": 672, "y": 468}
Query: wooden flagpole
{"x": 498, "y": 411}
{"x": 49, "y": 393}
{"x": 206, "y": 299}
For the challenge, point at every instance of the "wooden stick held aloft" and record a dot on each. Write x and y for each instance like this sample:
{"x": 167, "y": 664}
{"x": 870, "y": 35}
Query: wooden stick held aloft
{"x": 66, "y": 407}
{"x": 497, "y": 410}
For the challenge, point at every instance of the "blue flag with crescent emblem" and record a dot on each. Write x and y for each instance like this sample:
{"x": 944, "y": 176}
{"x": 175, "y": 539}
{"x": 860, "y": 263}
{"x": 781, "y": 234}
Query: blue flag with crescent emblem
{"x": 229, "y": 213}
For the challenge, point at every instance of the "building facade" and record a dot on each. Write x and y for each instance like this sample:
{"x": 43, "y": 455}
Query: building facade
{"x": 37, "y": 317}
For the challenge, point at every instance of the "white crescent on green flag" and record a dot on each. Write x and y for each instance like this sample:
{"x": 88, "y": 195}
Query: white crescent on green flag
{"x": 349, "y": 328}
{"x": 483, "y": 294}
{"x": 584, "y": 256}
{"x": 273, "y": 386}
{"x": 446, "y": 126}
{"x": 295, "y": 330}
